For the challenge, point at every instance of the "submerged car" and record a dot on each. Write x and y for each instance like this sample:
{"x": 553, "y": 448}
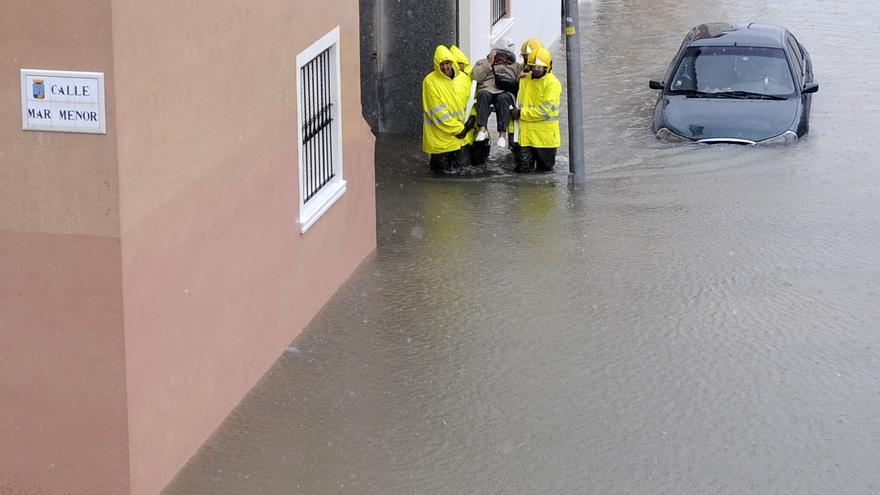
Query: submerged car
{"x": 736, "y": 83}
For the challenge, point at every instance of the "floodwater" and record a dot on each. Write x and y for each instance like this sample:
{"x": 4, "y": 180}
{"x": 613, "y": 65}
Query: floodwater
{"x": 695, "y": 320}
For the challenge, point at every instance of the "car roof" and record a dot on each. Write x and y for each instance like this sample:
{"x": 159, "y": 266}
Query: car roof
{"x": 742, "y": 34}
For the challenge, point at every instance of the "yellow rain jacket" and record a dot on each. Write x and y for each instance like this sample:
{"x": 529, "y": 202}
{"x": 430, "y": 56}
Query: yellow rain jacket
{"x": 539, "y": 117}
{"x": 443, "y": 112}
{"x": 463, "y": 89}
{"x": 471, "y": 135}
{"x": 461, "y": 58}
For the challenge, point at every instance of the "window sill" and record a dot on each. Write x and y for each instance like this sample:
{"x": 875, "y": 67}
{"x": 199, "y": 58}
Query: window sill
{"x": 501, "y": 28}
{"x": 320, "y": 203}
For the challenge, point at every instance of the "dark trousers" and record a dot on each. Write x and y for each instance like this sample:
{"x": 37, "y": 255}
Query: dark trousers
{"x": 502, "y": 103}
{"x": 445, "y": 162}
{"x": 479, "y": 152}
{"x": 465, "y": 157}
{"x": 529, "y": 159}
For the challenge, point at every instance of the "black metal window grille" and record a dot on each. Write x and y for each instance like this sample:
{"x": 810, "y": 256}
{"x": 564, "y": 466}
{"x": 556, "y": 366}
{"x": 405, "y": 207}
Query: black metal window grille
{"x": 317, "y": 124}
{"x": 499, "y": 10}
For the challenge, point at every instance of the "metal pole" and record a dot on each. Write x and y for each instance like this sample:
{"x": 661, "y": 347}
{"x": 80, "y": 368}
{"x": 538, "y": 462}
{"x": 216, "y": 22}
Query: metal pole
{"x": 577, "y": 165}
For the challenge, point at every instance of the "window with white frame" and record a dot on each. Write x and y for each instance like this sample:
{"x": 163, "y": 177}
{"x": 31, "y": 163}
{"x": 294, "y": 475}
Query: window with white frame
{"x": 501, "y": 19}
{"x": 500, "y": 10}
{"x": 319, "y": 100}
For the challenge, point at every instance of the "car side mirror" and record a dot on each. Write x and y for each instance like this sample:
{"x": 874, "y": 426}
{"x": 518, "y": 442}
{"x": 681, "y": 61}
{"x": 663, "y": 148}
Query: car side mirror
{"x": 654, "y": 84}
{"x": 810, "y": 87}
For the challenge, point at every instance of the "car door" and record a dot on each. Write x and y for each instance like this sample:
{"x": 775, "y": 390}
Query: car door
{"x": 803, "y": 74}
{"x": 797, "y": 58}
{"x": 658, "y": 105}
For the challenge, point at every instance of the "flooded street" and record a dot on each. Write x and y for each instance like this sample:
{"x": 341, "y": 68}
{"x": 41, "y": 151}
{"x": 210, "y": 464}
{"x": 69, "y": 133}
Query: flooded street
{"x": 696, "y": 320}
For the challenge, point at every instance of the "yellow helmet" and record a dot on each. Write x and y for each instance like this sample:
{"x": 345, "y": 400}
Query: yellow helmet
{"x": 530, "y": 45}
{"x": 540, "y": 58}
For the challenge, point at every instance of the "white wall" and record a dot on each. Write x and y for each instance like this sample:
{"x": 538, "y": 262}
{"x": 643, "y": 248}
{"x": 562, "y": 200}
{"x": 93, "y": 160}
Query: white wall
{"x": 539, "y": 18}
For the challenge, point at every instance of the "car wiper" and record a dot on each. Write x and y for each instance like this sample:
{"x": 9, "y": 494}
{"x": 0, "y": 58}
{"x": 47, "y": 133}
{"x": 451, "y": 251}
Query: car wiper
{"x": 690, "y": 92}
{"x": 748, "y": 95}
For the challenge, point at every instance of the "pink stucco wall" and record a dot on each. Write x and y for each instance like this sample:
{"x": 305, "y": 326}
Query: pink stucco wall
{"x": 217, "y": 277}
{"x": 150, "y": 276}
{"x": 63, "y": 412}
{"x": 62, "y": 369}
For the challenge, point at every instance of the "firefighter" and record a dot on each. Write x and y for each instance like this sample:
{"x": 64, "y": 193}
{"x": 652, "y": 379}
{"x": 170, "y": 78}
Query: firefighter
{"x": 527, "y": 48}
{"x": 444, "y": 121}
{"x": 463, "y": 90}
{"x": 540, "y": 92}
{"x": 464, "y": 64}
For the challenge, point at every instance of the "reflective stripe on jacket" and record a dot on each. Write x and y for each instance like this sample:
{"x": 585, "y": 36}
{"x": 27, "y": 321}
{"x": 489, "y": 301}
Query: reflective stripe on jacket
{"x": 442, "y": 107}
{"x": 539, "y": 117}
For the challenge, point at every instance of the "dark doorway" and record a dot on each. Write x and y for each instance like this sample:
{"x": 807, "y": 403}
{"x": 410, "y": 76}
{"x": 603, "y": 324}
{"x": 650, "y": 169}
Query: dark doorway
{"x": 398, "y": 38}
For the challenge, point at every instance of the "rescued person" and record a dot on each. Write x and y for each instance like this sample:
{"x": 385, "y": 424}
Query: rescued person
{"x": 497, "y": 79}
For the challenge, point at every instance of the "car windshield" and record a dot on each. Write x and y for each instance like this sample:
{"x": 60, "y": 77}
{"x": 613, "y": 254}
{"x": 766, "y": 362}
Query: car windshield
{"x": 726, "y": 69}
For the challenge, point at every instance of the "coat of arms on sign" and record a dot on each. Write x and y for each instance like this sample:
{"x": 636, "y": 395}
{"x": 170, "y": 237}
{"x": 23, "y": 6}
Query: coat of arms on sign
{"x": 39, "y": 89}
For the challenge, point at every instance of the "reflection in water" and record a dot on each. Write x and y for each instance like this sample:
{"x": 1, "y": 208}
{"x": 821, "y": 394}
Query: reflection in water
{"x": 446, "y": 228}
{"x": 697, "y": 320}
{"x": 538, "y": 216}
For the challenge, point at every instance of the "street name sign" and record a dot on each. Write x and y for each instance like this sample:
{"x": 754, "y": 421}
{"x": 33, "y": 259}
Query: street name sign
{"x": 62, "y": 101}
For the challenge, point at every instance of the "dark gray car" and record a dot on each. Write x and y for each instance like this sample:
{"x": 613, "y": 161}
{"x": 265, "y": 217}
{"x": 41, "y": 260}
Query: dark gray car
{"x": 736, "y": 83}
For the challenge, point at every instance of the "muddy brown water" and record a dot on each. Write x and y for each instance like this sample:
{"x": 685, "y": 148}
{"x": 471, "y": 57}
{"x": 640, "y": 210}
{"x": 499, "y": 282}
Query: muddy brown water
{"x": 695, "y": 320}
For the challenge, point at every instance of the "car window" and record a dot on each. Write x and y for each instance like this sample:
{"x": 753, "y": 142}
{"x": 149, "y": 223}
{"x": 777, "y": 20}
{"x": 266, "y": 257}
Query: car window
{"x": 687, "y": 41}
{"x": 716, "y": 69}
{"x": 795, "y": 49}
